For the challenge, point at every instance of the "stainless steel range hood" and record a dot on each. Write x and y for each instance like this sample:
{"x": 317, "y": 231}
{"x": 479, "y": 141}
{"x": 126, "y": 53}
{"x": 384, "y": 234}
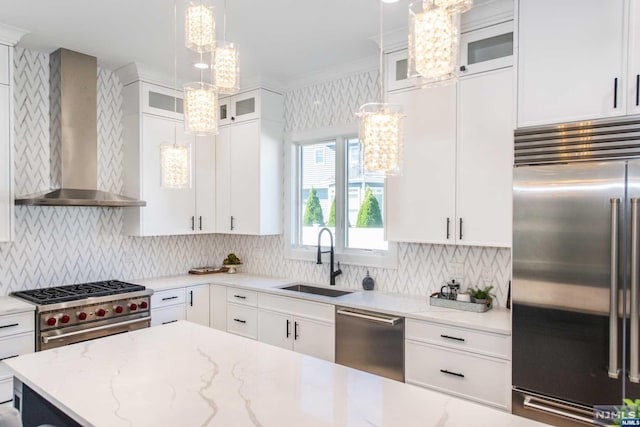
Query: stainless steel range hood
{"x": 74, "y": 136}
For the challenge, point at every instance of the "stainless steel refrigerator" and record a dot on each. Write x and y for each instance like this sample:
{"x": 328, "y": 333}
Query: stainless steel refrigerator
{"x": 576, "y": 254}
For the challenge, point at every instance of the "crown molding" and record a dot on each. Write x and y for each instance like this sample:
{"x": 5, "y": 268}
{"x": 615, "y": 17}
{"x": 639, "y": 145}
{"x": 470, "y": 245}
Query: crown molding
{"x": 10, "y": 35}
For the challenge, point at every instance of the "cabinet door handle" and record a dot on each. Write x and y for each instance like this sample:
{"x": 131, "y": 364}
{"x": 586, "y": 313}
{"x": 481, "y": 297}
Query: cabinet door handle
{"x": 191, "y": 298}
{"x": 452, "y": 338}
{"x": 170, "y": 321}
{"x": 295, "y": 330}
{"x": 463, "y": 68}
{"x": 232, "y": 222}
{"x": 637, "y": 90}
{"x": 193, "y": 223}
{"x": 444, "y": 371}
{"x": 615, "y": 93}
{"x": 448, "y": 225}
{"x": 240, "y": 296}
{"x": 460, "y": 228}
{"x": 168, "y": 298}
{"x": 200, "y": 219}
{"x": 240, "y": 320}
{"x": 9, "y": 326}
{"x": 288, "y": 331}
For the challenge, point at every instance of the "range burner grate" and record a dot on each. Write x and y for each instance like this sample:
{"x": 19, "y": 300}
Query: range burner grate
{"x": 76, "y": 292}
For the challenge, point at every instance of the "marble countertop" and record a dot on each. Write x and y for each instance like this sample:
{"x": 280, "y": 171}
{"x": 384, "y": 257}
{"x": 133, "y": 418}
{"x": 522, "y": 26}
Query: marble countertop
{"x": 497, "y": 320}
{"x": 187, "y": 374}
{"x": 10, "y": 305}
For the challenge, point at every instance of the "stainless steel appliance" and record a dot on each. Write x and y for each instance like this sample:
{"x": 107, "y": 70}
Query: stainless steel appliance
{"x": 81, "y": 312}
{"x": 576, "y": 243}
{"x": 371, "y": 342}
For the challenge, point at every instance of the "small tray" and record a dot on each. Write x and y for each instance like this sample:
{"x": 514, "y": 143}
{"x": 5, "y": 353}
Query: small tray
{"x": 208, "y": 270}
{"x": 459, "y": 305}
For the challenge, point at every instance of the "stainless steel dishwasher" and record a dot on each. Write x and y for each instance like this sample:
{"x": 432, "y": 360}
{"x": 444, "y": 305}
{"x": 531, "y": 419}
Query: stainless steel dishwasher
{"x": 370, "y": 341}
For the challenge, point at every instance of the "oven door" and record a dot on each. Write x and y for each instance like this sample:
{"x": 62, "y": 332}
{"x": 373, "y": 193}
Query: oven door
{"x": 74, "y": 334}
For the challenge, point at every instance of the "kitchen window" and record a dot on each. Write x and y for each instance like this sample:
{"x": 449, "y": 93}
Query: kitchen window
{"x": 339, "y": 194}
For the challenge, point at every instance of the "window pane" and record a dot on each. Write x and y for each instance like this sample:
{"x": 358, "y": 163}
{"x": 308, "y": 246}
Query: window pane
{"x": 365, "y": 197}
{"x": 317, "y": 190}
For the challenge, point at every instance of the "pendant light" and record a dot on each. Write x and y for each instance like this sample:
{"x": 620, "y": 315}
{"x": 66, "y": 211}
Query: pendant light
{"x": 433, "y": 41}
{"x": 225, "y": 62}
{"x": 175, "y": 160}
{"x": 200, "y": 98}
{"x": 380, "y": 127}
{"x": 455, "y": 6}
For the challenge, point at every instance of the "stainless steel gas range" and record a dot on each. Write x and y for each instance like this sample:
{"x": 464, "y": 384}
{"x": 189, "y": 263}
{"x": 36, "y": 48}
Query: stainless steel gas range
{"x": 75, "y": 313}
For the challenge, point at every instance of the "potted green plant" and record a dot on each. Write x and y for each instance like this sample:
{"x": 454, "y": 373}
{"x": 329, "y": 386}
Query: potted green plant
{"x": 481, "y": 295}
{"x": 232, "y": 262}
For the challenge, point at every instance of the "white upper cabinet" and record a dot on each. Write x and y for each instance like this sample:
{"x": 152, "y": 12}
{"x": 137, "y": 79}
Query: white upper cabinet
{"x": 255, "y": 104}
{"x": 486, "y": 49}
{"x": 633, "y": 72}
{"x": 249, "y": 171}
{"x": 169, "y": 211}
{"x": 571, "y": 60}
{"x": 6, "y": 144}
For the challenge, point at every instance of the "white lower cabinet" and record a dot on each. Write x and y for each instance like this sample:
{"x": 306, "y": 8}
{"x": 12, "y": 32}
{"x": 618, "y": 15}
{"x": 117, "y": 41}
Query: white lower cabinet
{"x": 197, "y": 306}
{"x": 218, "y": 307}
{"x": 242, "y": 320}
{"x": 17, "y": 336}
{"x": 190, "y": 303}
{"x": 303, "y": 326}
{"x": 467, "y": 363}
{"x": 164, "y": 315}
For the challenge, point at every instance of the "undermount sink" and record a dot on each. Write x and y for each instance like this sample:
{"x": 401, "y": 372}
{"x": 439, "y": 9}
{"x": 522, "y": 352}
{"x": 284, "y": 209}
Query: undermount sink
{"x": 308, "y": 289}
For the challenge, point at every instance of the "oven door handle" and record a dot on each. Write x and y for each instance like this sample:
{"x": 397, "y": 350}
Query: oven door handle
{"x": 46, "y": 340}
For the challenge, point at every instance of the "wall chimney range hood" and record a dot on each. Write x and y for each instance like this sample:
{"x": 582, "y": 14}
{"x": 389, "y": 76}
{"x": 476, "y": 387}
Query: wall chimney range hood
{"x": 74, "y": 136}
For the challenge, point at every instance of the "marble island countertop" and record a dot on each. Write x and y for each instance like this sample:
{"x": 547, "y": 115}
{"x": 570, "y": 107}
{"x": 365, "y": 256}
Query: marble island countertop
{"x": 185, "y": 374}
{"x": 497, "y": 320}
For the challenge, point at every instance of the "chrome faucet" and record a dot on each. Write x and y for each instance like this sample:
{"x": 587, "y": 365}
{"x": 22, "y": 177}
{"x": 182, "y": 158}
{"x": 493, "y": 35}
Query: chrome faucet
{"x": 332, "y": 274}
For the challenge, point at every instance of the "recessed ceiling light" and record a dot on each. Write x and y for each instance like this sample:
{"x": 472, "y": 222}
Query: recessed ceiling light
{"x": 390, "y": 1}
{"x": 201, "y": 65}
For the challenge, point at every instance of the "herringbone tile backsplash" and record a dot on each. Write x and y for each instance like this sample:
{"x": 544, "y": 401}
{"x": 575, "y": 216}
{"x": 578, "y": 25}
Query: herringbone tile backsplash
{"x": 61, "y": 245}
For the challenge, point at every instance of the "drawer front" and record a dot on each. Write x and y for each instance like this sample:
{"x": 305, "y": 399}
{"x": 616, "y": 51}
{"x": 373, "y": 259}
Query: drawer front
{"x": 6, "y": 390}
{"x": 16, "y": 345}
{"x": 298, "y": 307}
{"x": 162, "y": 316}
{"x": 459, "y": 338}
{"x": 480, "y": 378}
{"x": 12, "y": 324}
{"x": 242, "y": 296}
{"x": 242, "y": 320}
{"x": 168, "y": 297}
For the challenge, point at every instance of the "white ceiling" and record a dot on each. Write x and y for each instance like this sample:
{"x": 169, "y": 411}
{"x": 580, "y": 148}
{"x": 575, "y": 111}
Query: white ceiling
{"x": 281, "y": 41}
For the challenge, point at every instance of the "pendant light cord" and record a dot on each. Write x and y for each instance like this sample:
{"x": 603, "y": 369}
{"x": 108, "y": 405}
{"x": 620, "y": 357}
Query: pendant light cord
{"x": 224, "y": 22}
{"x": 175, "y": 72}
{"x": 381, "y": 52}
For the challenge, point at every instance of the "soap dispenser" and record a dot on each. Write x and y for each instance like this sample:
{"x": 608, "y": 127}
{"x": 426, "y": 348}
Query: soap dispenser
{"x": 368, "y": 283}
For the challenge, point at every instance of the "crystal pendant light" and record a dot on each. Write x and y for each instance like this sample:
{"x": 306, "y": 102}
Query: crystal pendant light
{"x": 175, "y": 160}
{"x": 455, "y": 6}
{"x": 433, "y": 43}
{"x": 225, "y": 63}
{"x": 199, "y": 27}
{"x": 380, "y": 127}
{"x": 200, "y": 109}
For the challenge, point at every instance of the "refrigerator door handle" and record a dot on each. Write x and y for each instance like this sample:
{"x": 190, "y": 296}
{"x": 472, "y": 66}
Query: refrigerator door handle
{"x": 614, "y": 372}
{"x": 531, "y": 402}
{"x": 633, "y": 341}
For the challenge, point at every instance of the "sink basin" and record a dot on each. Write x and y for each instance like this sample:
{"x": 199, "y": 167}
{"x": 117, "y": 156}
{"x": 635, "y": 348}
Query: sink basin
{"x": 307, "y": 289}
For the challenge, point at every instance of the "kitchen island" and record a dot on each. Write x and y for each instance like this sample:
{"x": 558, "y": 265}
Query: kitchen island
{"x": 183, "y": 374}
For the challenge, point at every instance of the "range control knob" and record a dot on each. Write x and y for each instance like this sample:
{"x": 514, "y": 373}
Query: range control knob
{"x": 65, "y": 319}
{"x": 119, "y": 309}
{"x": 101, "y": 312}
{"x": 82, "y": 315}
{"x": 51, "y": 321}
{"x": 133, "y": 306}
{"x": 144, "y": 305}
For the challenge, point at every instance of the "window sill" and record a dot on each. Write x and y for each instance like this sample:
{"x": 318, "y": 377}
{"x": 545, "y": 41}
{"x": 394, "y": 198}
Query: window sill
{"x": 359, "y": 257}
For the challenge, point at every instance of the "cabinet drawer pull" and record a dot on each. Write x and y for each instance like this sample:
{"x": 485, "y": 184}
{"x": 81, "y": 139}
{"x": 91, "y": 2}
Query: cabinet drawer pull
{"x": 9, "y": 357}
{"x": 193, "y": 223}
{"x": 200, "y": 222}
{"x": 240, "y": 320}
{"x": 240, "y": 296}
{"x": 9, "y": 326}
{"x": 288, "y": 331}
{"x": 452, "y": 338}
{"x": 191, "y": 298}
{"x": 455, "y": 374}
{"x": 168, "y": 298}
{"x": 170, "y": 321}
{"x": 448, "y": 224}
{"x": 637, "y": 90}
{"x": 295, "y": 330}
{"x": 232, "y": 222}
{"x": 460, "y": 228}
{"x": 615, "y": 93}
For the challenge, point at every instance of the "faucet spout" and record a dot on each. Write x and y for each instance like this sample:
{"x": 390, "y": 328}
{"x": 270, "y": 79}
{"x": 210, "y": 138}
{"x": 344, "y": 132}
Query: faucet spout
{"x": 332, "y": 274}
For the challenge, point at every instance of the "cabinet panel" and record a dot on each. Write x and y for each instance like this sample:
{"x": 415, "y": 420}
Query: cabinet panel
{"x": 223, "y": 180}
{"x": 12, "y": 324}
{"x": 397, "y": 69}
{"x": 245, "y": 177}
{"x": 162, "y": 101}
{"x": 633, "y": 73}
{"x": 169, "y": 211}
{"x": 16, "y": 345}
{"x": 483, "y": 379}
{"x": 316, "y": 339}
{"x": 4, "y": 65}
{"x": 242, "y": 320}
{"x": 485, "y": 159}
{"x": 198, "y": 304}
{"x": 419, "y": 202}
{"x": 205, "y": 179}
{"x": 218, "y": 307}
{"x": 297, "y": 307}
{"x": 167, "y": 297}
{"x": 164, "y": 315}
{"x": 6, "y": 390}
{"x": 487, "y": 49}
{"x": 275, "y": 329}
{"x": 242, "y": 296}
{"x": 566, "y": 70}
{"x": 6, "y": 163}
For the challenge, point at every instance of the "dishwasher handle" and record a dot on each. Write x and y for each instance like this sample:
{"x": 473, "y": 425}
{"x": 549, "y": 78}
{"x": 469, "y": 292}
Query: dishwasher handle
{"x": 381, "y": 318}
